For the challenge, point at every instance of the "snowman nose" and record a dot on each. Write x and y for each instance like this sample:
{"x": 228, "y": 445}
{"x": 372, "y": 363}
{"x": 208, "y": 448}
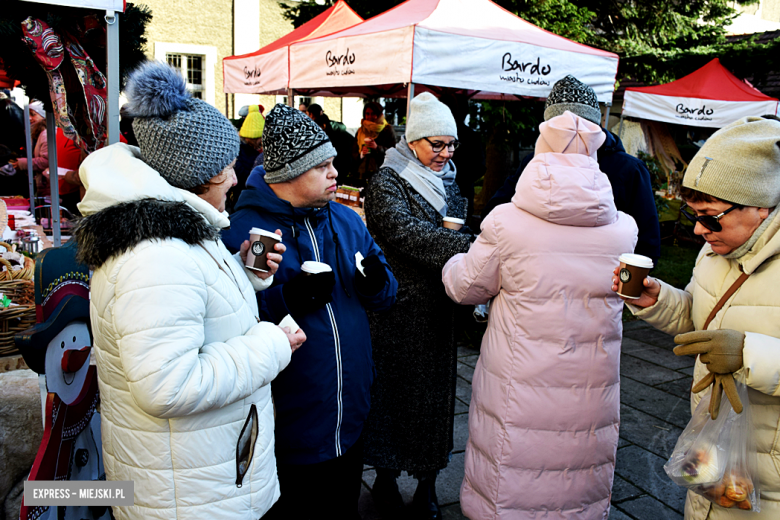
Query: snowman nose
{"x": 73, "y": 360}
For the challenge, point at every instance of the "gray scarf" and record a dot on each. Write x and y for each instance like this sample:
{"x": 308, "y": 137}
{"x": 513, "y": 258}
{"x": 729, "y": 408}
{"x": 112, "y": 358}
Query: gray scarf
{"x": 428, "y": 183}
{"x": 747, "y": 246}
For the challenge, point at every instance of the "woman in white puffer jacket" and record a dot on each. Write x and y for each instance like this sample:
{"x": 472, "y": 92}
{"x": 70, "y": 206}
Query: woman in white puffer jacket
{"x": 184, "y": 365}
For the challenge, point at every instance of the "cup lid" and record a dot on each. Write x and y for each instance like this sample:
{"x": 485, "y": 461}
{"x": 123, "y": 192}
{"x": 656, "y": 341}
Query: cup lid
{"x": 264, "y": 233}
{"x": 312, "y": 267}
{"x": 454, "y": 220}
{"x": 636, "y": 260}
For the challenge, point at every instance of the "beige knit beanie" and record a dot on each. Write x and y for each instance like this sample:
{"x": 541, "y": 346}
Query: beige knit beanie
{"x": 740, "y": 163}
{"x": 428, "y": 117}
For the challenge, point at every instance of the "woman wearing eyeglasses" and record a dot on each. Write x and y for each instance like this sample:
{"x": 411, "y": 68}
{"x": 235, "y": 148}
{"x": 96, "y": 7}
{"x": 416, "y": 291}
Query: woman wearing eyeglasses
{"x": 731, "y": 188}
{"x": 413, "y": 398}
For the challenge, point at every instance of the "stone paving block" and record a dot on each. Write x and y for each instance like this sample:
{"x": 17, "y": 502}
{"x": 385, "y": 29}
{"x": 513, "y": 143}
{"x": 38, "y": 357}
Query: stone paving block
{"x": 645, "y": 471}
{"x": 466, "y": 351}
{"x": 623, "y": 442}
{"x": 469, "y": 360}
{"x": 687, "y": 371}
{"x": 617, "y": 514}
{"x": 657, "y": 355}
{"x": 461, "y": 407}
{"x": 670, "y": 408}
{"x": 648, "y": 508}
{"x": 646, "y": 372}
{"x": 634, "y": 325}
{"x": 651, "y": 336}
{"x": 630, "y": 345}
{"x": 460, "y": 433}
{"x": 680, "y": 388}
{"x": 463, "y": 390}
{"x": 447, "y": 485}
{"x": 623, "y": 490}
{"x": 452, "y": 512}
{"x": 648, "y": 432}
{"x": 465, "y": 371}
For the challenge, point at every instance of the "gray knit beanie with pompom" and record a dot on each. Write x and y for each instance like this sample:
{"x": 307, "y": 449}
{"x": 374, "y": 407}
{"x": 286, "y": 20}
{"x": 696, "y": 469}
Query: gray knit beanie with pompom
{"x": 186, "y": 140}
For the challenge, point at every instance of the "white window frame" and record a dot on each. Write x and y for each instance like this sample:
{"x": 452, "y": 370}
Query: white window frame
{"x": 209, "y": 53}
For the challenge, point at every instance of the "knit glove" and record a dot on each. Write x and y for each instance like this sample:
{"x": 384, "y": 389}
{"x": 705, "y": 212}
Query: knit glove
{"x": 719, "y": 382}
{"x": 375, "y": 276}
{"x": 721, "y": 352}
{"x": 307, "y": 293}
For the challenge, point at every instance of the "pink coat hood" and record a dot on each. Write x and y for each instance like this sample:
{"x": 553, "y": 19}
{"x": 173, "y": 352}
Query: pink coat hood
{"x": 563, "y": 183}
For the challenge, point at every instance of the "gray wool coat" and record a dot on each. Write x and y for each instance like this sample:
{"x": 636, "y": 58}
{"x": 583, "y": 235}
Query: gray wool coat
{"x": 413, "y": 398}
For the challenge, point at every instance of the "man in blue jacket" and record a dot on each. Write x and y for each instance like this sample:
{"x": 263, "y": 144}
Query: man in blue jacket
{"x": 628, "y": 175}
{"x": 323, "y": 397}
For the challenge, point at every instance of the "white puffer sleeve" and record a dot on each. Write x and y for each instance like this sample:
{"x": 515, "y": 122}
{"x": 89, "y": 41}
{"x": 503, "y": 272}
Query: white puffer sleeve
{"x": 160, "y": 317}
{"x": 761, "y": 357}
{"x": 671, "y": 313}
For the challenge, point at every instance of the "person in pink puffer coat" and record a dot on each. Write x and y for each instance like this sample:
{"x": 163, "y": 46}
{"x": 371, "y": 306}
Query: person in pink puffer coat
{"x": 544, "y": 414}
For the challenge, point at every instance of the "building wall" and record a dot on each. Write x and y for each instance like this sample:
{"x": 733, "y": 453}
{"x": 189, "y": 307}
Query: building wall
{"x": 193, "y": 26}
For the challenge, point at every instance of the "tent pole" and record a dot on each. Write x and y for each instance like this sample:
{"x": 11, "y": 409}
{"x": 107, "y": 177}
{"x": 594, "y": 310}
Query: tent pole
{"x": 28, "y": 144}
{"x": 112, "y": 68}
{"x": 620, "y": 129}
{"x": 291, "y": 97}
{"x": 54, "y": 178}
{"x": 607, "y": 106}
{"x": 409, "y": 97}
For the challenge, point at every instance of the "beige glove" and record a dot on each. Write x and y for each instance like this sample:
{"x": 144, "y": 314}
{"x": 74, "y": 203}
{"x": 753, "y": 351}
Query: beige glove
{"x": 721, "y": 352}
{"x": 718, "y": 382}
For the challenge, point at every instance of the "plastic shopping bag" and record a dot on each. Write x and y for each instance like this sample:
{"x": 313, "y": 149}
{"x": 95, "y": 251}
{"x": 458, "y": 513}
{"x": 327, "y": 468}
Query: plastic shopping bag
{"x": 717, "y": 459}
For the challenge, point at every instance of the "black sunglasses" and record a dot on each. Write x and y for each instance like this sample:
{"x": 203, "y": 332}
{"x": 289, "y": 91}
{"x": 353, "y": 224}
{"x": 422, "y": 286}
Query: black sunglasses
{"x": 438, "y": 146}
{"x": 711, "y": 222}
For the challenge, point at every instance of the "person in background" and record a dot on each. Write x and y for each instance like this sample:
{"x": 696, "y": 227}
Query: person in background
{"x": 374, "y": 137}
{"x": 628, "y": 175}
{"x": 251, "y": 134}
{"x": 545, "y": 404}
{"x": 302, "y": 107}
{"x": 411, "y": 420}
{"x": 40, "y": 153}
{"x": 342, "y": 141}
{"x": 323, "y": 397}
{"x": 314, "y": 111}
{"x": 731, "y": 191}
{"x": 470, "y": 160}
{"x": 184, "y": 365}
{"x": 12, "y": 144}
{"x": 126, "y": 126}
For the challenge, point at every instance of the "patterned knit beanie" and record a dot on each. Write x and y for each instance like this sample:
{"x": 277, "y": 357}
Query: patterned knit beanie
{"x": 428, "y": 117}
{"x": 739, "y": 163}
{"x": 186, "y": 140}
{"x": 254, "y": 123}
{"x": 293, "y": 144}
{"x": 576, "y": 97}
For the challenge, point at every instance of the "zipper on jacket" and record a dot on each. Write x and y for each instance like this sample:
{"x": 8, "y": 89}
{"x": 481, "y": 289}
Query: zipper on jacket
{"x": 337, "y": 346}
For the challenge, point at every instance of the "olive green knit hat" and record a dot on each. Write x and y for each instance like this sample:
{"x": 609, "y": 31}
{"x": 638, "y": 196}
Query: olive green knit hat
{"x": 740, "y": 163}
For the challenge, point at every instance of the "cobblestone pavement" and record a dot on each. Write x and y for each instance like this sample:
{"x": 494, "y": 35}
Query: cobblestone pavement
{"x": 654, "y": 409}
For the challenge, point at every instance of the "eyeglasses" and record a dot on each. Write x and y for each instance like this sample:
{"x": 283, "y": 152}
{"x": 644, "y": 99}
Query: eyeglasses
{"x": 711, "y": 222}
{"x": 438, "y": 146}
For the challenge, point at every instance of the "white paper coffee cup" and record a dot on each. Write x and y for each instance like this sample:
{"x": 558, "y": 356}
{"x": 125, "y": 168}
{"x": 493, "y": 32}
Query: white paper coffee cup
{"x": 453, "y": 223}
{"x": 312, "y": 267}
{"x": 261, "y": 242}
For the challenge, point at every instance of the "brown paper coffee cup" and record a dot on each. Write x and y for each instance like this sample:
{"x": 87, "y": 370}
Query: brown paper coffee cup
{"x": 632, "y": 273}
{"x": 261, "y": 242}
{"x": 453, "y": 223}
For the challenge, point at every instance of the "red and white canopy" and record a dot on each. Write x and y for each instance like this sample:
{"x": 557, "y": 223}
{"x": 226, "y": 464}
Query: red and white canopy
{"x": 267, "y": 70}
{"x": 709, "y": 97}
{"x": 108, "y": 5}
{"x": 464, "y": 44}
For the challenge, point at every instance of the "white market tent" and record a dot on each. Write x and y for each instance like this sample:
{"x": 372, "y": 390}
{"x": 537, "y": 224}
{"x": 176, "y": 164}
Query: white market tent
{"x": 112, "y": 109}
{"x": 709, "y": 97}
{"x": 471, "y": 45}
{"x": 267, "y": 71}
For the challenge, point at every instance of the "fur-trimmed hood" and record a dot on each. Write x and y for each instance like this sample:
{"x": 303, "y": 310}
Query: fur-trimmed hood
{"x": 128, "y": 202}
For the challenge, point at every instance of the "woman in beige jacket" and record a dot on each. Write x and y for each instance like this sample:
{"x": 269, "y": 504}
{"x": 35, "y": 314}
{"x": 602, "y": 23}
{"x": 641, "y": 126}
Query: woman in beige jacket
{"x": 732, "y": 188}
